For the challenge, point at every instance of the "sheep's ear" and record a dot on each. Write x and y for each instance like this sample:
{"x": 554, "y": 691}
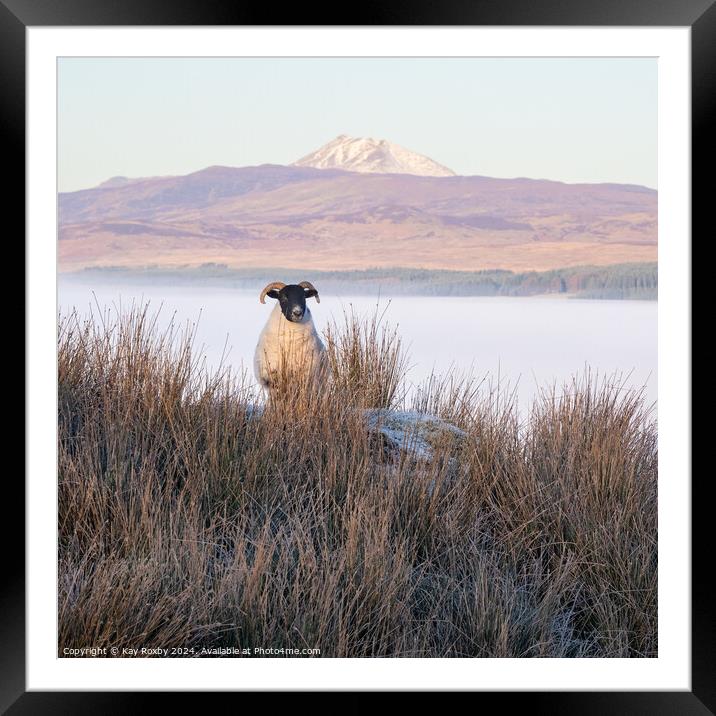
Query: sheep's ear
{"x": 312, "y": 292}
{"x": 273, "y": 293}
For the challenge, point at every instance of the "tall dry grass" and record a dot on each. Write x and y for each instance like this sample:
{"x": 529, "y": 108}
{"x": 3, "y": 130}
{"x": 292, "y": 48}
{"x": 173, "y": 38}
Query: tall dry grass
{"x": 188, "y": 518}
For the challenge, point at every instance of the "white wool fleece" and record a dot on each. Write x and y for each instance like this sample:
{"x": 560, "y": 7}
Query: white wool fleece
{"x": 282, "y": 340}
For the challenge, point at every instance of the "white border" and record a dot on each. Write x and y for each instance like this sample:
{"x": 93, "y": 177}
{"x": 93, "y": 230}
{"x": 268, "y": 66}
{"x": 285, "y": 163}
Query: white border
{"x": 671, "y": 670}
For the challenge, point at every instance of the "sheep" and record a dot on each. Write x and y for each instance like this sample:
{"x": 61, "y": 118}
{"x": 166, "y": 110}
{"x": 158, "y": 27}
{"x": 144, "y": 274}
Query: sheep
{"x": 289, "y": 343}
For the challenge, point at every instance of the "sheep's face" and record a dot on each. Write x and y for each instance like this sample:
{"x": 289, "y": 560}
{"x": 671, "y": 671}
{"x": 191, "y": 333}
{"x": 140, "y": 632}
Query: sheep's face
{"x": 292, "y": 300}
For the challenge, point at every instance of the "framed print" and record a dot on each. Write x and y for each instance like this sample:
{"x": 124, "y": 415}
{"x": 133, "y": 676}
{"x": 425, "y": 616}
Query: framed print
{"x": 346, "y": 365}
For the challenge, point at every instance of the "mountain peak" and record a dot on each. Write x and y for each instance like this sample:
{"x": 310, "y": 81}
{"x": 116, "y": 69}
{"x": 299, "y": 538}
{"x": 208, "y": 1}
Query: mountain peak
{"x": 372, "y": 156}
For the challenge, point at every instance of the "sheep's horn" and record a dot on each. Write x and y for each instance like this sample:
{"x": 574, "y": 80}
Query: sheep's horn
{"x": 275, "y": 284}
{"x": 309, "y": 285}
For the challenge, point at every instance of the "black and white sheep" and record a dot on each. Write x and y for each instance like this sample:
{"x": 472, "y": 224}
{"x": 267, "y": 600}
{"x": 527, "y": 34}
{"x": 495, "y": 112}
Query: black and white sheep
{"x": 289, "y": 342}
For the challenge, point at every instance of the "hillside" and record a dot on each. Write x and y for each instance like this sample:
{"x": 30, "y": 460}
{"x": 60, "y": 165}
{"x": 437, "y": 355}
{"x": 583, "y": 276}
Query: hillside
{"x": 331, "y": 219}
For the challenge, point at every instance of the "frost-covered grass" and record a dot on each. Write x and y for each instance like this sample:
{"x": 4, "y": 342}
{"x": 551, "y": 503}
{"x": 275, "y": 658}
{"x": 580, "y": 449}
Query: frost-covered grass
{"x": 190, "y": 517}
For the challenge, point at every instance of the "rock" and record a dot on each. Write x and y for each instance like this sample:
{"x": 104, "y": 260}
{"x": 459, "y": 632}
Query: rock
{"x": 412, "y": 432}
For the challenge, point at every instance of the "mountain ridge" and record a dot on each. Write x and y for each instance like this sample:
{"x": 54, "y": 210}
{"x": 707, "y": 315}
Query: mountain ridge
{"x": 337, "y": 219}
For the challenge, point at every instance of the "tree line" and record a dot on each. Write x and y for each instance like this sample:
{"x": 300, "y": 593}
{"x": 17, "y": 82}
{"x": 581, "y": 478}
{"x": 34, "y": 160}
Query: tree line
{"x": 619, "y": 281}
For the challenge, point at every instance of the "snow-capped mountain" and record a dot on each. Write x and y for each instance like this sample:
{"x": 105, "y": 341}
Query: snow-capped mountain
{"x": 372, "y": 156}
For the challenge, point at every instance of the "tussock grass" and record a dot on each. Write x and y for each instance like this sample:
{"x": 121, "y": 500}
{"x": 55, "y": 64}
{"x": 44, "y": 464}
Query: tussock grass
{"x": 367, "y": 361}
{"x": 188, "y": 518}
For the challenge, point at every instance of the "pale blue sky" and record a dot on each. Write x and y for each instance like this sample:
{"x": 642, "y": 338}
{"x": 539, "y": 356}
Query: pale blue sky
{"x": 573, "y": 120}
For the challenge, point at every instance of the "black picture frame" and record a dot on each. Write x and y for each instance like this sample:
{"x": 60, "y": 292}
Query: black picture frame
{"x": 699, "y": 15}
